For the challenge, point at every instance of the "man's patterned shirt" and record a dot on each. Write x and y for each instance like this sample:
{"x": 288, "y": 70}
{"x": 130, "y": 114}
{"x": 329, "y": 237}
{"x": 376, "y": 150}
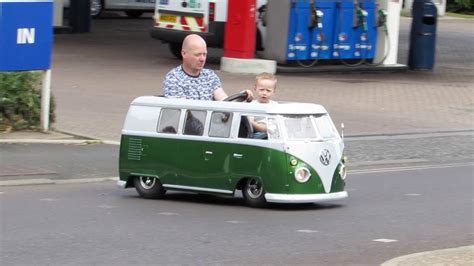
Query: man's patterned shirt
{"x": 179, "y": 84}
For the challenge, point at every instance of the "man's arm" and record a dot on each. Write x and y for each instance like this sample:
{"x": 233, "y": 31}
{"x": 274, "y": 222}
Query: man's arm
{"x": 220, "y": 94}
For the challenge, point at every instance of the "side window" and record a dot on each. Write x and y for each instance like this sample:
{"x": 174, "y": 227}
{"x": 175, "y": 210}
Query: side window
{"x": 245, "y": 128}
{"x": 169, "y": 120}
{"x": 194, "y": 123}
{"x": 220, "y": 124}
{"x": 272, "y": 128}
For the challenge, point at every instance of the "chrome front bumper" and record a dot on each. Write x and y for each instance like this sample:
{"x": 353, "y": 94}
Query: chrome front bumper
{"x": 305, "y": 198}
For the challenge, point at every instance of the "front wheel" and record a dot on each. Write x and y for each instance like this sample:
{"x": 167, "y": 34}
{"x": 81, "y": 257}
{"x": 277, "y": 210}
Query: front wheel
{"x": 149, "y": 187}
{"x": 254, "y": 193}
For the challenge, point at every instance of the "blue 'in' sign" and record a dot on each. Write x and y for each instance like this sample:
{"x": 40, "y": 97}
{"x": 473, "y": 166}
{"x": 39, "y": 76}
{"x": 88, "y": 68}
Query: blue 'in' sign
{"x": 26, "y": 30}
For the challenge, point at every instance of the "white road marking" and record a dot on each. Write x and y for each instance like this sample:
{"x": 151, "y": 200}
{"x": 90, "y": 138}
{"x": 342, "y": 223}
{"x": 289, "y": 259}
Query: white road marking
{"x": 306, "y": 231}
{"x": 169, "y": 213}
{"x": 385, "y": 240}
{"x": 106, "y": 206}
{"x": 47, "y": 199}
{"x": 235, "y": 222}
{"x": 413, "y": 194}
{"x": 408, "y": 168}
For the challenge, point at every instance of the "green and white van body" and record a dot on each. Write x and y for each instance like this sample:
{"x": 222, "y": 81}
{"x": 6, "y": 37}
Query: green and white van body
{"x": 300, "y": 161}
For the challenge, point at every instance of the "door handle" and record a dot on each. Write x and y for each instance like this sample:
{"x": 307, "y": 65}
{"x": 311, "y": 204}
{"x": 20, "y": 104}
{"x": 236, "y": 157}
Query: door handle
{"x": 238, "y": 155}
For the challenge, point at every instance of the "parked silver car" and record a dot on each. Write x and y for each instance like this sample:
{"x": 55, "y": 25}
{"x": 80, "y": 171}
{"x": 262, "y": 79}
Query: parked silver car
{"x": 133, "y": 8}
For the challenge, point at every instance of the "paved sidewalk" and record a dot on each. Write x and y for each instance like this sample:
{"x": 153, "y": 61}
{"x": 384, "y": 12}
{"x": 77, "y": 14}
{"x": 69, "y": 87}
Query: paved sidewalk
{"x": 24, "y": 136}
{"x": 461, "y": 256}
{"x": 94, "y": 84}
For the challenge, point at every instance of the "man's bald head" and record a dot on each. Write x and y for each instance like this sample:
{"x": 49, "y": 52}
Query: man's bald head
{"x": 193, "y": 41}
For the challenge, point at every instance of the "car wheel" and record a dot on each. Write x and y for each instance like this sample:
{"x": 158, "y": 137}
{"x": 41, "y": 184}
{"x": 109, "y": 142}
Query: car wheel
{"x": 149, "y": 187}
{"x": 133, "y": 13}
{"x": 254, "y": 193}
{"x": 96, "y": 8}
{"x": 175, "y": 49}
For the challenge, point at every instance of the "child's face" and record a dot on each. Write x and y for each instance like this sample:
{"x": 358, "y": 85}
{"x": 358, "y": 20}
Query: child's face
{"x": 265, "y": 89}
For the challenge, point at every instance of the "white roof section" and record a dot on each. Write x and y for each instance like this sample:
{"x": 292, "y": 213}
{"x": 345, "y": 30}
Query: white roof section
{"x": 280, "y": 108}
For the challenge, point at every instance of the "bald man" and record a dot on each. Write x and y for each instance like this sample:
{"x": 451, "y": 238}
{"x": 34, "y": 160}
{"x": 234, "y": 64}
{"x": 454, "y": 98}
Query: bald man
{"x": 191, "y": 80}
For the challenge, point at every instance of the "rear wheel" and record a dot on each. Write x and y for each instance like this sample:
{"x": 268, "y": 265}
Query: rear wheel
{"x": 149, "y": 187}
{"x": 254, "y": 193}
{"x": 133, "y": 13}
{"x": 175, "y": 49}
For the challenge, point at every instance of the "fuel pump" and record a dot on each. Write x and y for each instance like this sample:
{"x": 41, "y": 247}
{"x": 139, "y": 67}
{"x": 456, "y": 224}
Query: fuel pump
{"x": 356, "y": 33}
{"x": 360, "y": 16}
{"x": 381, "y": 22}
{"x": 321, "y": 27}
{"x": 262, "y": 14}
{"x": 361, "y": 29}
{"x": 314, "y": 21}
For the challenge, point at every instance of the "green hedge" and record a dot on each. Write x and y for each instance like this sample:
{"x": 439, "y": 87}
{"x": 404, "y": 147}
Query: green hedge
{"x": 20, "y": 101}
{"x": 460, "y": 6}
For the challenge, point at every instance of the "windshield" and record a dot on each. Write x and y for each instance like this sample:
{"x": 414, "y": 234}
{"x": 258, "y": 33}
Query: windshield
{"x": 309, "y": 127}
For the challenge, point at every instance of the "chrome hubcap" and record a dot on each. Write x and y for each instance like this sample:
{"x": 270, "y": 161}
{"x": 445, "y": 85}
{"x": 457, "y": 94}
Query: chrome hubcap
{"x": 147, "y": 182}
{"x": 254, "y": 189}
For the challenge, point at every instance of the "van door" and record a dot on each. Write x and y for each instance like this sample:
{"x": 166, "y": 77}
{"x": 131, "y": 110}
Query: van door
{"x": 247, "y": 157}
{"x": 191, "y": 151}
{"x": 204, "y": 161}
{"x": 217, "y": 151}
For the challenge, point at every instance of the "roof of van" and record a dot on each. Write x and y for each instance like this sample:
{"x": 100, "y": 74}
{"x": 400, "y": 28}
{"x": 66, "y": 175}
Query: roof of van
{"x": 280, "y": 108}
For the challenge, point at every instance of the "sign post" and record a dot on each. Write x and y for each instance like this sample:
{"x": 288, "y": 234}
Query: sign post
{"x": 26, "y": 30}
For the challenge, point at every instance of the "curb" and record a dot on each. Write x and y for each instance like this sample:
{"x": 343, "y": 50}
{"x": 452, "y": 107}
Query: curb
{"x": 451, "y": 256}
{"x": 46, "y": 181}
{"x": 58, "y": 141}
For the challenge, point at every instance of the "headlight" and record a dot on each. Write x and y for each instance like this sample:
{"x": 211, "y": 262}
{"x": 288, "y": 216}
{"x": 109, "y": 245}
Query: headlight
{"x": 302, "y": 174}
{"x": 343, "y": 172}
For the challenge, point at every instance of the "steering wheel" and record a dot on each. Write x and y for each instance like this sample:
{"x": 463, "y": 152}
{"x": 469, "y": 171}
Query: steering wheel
{"x": 238, "y": 97}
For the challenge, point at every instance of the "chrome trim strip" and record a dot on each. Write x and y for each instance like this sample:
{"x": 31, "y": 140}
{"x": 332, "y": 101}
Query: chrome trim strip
{"x": 199, "y": 189}
{"x": 121, "y": 184}
{"x": 304, "y": 198}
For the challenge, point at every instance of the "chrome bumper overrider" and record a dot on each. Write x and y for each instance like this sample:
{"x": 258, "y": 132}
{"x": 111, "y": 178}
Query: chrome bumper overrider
{"x": 304, "y": 198}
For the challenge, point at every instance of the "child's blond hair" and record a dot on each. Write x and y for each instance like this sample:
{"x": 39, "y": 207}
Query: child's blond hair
{"x": 265, "y": 75}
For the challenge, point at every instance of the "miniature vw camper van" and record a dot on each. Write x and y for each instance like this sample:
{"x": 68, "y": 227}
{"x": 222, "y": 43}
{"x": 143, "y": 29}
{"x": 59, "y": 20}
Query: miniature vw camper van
{"x": 211, "y": 147}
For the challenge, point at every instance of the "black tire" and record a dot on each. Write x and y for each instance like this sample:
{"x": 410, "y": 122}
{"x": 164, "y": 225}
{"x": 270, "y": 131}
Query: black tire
{"x": 254, "y": 193}
{"x": 175, "y": 49}
{"x": 149, "y": 187}
{"x": 134, "y": 13}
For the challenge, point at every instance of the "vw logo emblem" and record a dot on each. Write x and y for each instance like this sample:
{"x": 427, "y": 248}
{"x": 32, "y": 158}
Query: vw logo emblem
{"x": 325, "y": 157}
